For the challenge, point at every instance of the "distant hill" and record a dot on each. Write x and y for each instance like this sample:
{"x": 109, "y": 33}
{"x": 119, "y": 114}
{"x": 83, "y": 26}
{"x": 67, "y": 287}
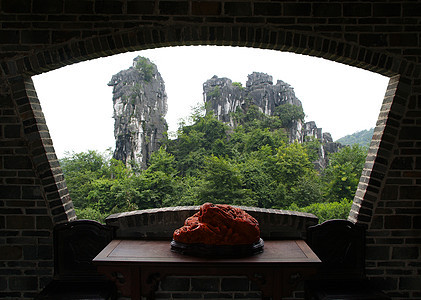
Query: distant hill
{"x": 362, "y": 137}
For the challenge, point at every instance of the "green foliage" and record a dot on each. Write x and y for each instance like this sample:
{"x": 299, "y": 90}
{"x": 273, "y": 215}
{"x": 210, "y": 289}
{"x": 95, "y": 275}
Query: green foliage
{"x": 291, "y": 163}
{"x": 327, "y": 210}
{"x": 206, "y": 136}
{"x": 157, "y": 185}
{"x": 81, "y": 170}
{"x": 363, "y": 138}
{"x": 252, "y": 117}
{"x": 306, "y": 191}
{"x": 266, "y": 191}
{"x": 313, "y": 147}
{"x": 145, "y": 68}
{"x": 238, "y": 84}
{"x": 251, "y": 165}
{"x": 342, "y": 175}
{"x": 258, "y": 138}
{"x": 289, "y": 113}
{"x": 162, "y": 161}
{"x": 223, "y": 183}
{"x": 215, "y": 93}
{"x": 90, "y": 213}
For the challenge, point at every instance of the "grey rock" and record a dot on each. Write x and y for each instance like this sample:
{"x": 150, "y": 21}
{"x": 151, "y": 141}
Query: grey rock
{"x": 140, "y": 106}
{"x": 224, "y": 98}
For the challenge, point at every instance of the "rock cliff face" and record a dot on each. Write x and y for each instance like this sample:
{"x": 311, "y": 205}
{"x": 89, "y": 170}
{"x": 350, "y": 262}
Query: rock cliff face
{"x": 140, "y": 105}
{"x": 224, "y": 97}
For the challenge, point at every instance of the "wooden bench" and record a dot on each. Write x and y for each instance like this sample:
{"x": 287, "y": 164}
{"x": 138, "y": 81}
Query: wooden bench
{"x": 75, "y": 277}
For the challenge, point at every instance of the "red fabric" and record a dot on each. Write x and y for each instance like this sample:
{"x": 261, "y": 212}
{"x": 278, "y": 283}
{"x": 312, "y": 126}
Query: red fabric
{"x": 219, "y": 224}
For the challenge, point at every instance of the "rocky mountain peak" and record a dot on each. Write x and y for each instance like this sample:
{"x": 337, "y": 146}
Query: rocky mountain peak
{"x": 223, "y": 98}
{"x": 257, "y": 78}
{"x": 140, "y": 106}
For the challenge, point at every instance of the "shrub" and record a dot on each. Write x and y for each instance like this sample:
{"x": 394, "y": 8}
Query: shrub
{"x": 238, "y": 84}
{"x": 215, "y": 93}
{"x": 144, "y": 66}
{"x": 327, "y": 210}
{"x": 90, "y": 213}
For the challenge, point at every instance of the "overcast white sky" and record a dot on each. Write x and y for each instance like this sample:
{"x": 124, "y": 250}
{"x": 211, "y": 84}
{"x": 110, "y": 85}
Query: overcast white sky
{"x": 77, "y": 102}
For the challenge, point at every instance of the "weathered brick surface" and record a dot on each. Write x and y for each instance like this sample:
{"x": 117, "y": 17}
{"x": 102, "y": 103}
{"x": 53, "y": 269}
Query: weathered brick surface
{"x": 41, "y": 35}
{"x": 207, "y": 287}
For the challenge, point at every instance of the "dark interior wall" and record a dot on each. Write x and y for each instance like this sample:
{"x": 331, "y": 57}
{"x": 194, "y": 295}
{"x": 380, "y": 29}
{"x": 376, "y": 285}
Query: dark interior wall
{"x": 39, "y": 35}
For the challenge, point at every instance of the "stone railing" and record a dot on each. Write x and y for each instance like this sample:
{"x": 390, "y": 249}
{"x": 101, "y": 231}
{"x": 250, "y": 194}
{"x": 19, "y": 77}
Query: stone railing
{"x": 160, "y": 223}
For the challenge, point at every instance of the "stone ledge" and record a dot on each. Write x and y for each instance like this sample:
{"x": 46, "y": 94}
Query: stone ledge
{"x": 160, "y": 223}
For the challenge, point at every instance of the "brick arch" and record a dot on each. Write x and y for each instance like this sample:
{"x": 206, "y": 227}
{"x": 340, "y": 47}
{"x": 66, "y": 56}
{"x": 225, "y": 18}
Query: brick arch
{"x": 381, "y": 149}
{"x": 237, "y": 36}
{"x": 45, "y": 161}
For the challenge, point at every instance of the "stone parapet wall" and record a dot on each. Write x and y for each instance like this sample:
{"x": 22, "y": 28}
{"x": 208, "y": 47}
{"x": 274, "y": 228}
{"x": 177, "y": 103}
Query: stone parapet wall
{"x": 160, "y": 223}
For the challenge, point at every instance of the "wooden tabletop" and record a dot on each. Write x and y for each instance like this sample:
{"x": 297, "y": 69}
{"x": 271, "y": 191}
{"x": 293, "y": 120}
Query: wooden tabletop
{"x": 146, "y": 251}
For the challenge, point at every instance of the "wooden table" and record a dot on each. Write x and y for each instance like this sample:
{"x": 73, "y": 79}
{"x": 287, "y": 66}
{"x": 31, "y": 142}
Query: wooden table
{"x": 137, "y": 266}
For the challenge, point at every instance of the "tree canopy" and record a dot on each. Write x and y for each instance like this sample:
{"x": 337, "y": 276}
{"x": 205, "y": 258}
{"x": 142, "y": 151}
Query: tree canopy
{"x": 252, "y": 165}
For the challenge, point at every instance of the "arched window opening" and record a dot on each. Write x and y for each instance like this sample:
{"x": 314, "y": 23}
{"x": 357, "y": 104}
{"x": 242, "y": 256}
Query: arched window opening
{"x": 245, "y": 160}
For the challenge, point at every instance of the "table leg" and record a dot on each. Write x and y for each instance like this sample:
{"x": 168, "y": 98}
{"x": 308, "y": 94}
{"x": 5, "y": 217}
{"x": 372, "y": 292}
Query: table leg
{"x": 135, "y": 284}
{"x": 277, "y": 285}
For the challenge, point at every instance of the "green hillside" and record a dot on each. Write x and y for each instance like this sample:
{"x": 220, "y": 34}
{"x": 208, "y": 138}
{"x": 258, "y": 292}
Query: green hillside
{"x": 363, "y": 138}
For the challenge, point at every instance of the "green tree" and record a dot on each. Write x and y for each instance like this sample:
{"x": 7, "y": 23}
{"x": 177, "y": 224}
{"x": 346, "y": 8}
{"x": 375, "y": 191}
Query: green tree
{"x": 155, "y": 189}
{"x": 98, "y": 185}
{"x": 289, "y": 113}
{"x": 206, "y": 136}
{"x": 158, "y": 185}
{"x": 307, "y": 190}
{"x": 90, "y": 213}
{"x": 290, "y": 163}
{"x": 223, "y": 183}
{"x": 238, "y": 84}
{"x": 266, "y": 191}
{"x": 251, "y": 118}
{"x": 80, "y": 171}
{"x": 313, "y": 148}
{"x": 326, "y": 210}
{"x": 190, "y": 187}
{"x": 145, "y": 67}
{"x": 258, "y": 138}
{"x": 162, "y": 161}
{"x": 343, "y": 172}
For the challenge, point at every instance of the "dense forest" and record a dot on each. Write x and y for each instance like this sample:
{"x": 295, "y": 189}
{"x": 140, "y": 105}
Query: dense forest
{"x": 250, "y": 165}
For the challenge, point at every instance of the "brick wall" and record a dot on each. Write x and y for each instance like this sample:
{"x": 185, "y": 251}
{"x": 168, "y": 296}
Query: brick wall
{"x": 207, "y": 287}
{"x": 39, "y": 35}
{"x": 32, "y": 188}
